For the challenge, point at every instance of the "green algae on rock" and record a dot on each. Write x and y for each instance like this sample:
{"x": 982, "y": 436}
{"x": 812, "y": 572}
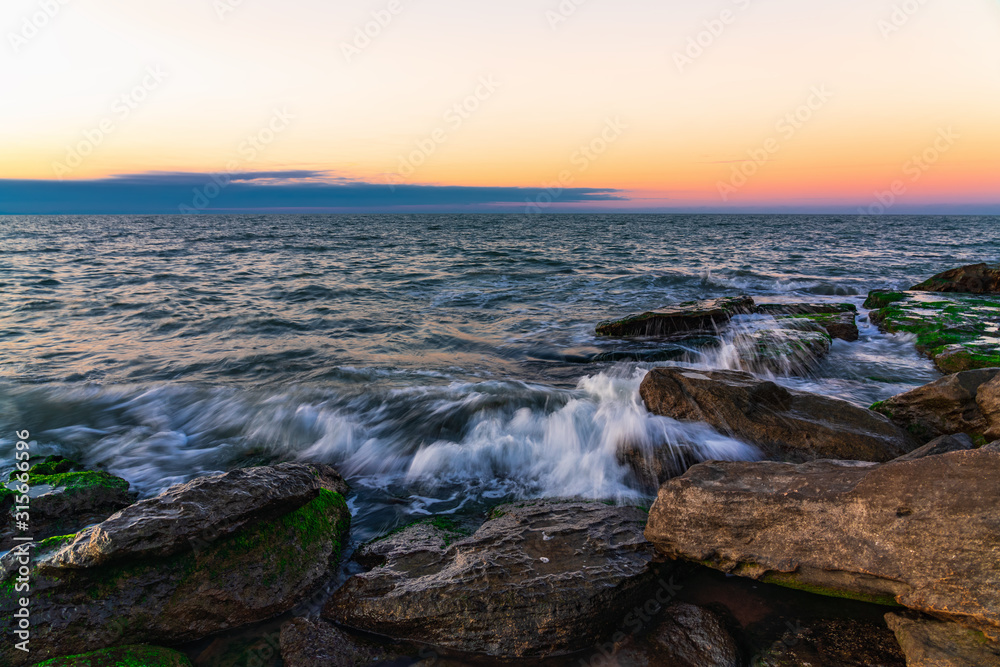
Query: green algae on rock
{"x": 684, "y": 319}
{"x": 973, "y": 279}
{"x": 255, "y": 573}
{"x": 959, "y": 332}
{"x": 125, "y": 656}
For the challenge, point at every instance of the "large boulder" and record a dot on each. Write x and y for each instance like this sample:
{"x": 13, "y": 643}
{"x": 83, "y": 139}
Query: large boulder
{"x": 178, "y": 580}
{"x": 65, "y": 497}
{"x": 967, "y": 402}
{"x": 922, "y": 534}
{"x": 691, "y": 318}
{"x": 931, "y": 643}
{"x": 787, "y": 425}
{"x": 537, "y": 579}
{"x": 959, "y": 332}
{"x": 973, "y": 279}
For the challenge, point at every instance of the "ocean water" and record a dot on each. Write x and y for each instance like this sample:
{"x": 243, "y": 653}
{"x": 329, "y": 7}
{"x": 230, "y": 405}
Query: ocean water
{"x": 442, "y": 363}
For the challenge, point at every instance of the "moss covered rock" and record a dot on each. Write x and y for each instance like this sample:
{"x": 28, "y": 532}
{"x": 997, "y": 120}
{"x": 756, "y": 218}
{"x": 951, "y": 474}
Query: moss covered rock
{"x": 959, "y": 332}
{"x": 972, "y": 279}
{"x": 125, "y": 656}
{"x": 686, "y": 319}
{"x": 213, "y": 584}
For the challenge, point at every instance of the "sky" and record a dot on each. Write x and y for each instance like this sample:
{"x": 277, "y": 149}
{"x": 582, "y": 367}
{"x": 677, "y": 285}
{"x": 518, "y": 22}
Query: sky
{"x": 877, "y": 106}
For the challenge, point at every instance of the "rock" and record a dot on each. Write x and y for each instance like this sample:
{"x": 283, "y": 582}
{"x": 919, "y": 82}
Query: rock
{"x": 214, "y": 582}
{"x": 959, "y": 332}
{"x": 65, "y": 497}
{"x": 795, "y": 348}
{"x": 974, "y": 279}
{"x": 992, "y": 447}
{"x": 125, "y": 656}
{"x": 965, "y": 402}
{"x": 688, "y": 636}
{"x": 921, "y": 533}
{"x": 785, "y": 424}
{"x": 694, "y": 317}
{"x": 834, "y": 643}
{"x": 837, "y": 320}
{"x": 537, "y": 579}
{"x": 932, "y": 643}
{"x": 315, "y": 643}
{"x": 943, "y": 445}
{"x": 203, "y": 510}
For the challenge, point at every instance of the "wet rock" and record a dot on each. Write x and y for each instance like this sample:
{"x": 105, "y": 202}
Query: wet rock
{"x": 688, "y": 636}
{"x": 315, "y": 643}
{"x": 834, "y": 643}
{"x": 795, "y": 347}
{"x": 65, "y": 497}
{"x": 538, "y": 579}
{"x": 213, "y": 582}
{"x": 973, "y": 279}
{"x": 959, "y": 332}
{"x": 200, "y": 511}
{"x": 125, "y": 656}
{"x": 931, "y": 643}
{"x": 921, "y": 533}
{"x": 942, "y": 445}
{"x": 967, "y": 402}
{"x": 787, "y": 425}
{"x": 837, "y": 320}
{"x": 695, "y": 317}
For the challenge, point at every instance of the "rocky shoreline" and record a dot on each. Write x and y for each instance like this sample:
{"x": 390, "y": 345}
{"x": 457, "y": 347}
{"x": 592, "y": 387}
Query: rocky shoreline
{"x": 865, "y": 536}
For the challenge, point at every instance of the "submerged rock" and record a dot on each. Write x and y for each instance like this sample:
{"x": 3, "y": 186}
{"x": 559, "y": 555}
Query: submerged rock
{"x": 958, "y": 332}
{"x": 315, "y": 643}
{"x": 537, "y": 579}
{"x": 967, "y": 402}
{"x": 125, "y": 656}
{"x": 179, "y": 581}
{"x": 796, "y": 347}
{"x": 787, "y": 425}
{"x": 692, "y": 318}
{"x": 837, "y": 320}
{"x": 834, "y": 643}
{"x": 922, "y": 534}
{"x": 65, "y": 497}
{"x": 688, "y": 636}
{"x": 973, "y": 279}
{"x": 931, "y": 643}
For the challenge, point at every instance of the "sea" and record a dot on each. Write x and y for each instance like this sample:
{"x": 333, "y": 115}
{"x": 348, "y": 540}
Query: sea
{"x": 444, "y": 364}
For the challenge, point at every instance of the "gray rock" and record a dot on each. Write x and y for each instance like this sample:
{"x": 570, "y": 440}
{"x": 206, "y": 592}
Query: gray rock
{"x": 931, "y": 643}
{"x": 921, "y": 533}
{"x": 201, "y": 511}
{"x": 787, "y": 425}
{"x": 992, "y": 447}
{"x": 967, "y": 402}
{"x": 315, "y": 643}
{"x": 538, "y": 579}
{"x": 695, "y": 317}
{"x": 943, "y": 445}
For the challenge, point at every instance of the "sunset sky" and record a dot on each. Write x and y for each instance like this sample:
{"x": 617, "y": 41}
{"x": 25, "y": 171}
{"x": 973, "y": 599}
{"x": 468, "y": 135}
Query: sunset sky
{"x": 784, "y": 105}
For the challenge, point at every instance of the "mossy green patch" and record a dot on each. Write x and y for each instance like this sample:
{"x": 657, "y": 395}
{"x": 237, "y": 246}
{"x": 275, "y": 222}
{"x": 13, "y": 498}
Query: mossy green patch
{"x": 881, "y": 299}
{"x": 794, "y": 582}
{"x": 450, "y": 528}
{"x": 125, "y": 656}
{"x": 80, "y": 480}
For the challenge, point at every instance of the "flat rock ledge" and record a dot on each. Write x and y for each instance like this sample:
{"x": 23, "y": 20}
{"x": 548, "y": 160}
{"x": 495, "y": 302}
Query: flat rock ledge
{"x": 931, "y": 643}
{"x": 921, "y": 534}
{"x": 538, "y": 579}
{"x": 686, "y": 319}
{"x": 157, "y": 573}
{"x": 786, "y": 425}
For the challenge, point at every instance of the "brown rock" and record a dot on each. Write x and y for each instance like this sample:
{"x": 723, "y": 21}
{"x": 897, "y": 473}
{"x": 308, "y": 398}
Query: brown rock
{"x": 834, "y": 643}
{"x": 931, "y": 643}
{"x": 315, "y": 643}
{"x": 919, "y": 533}
{"x": 943, "y": 445}
{"x": 691, "y": 636}
{"x": 539, "y": 579}
{"x": 785, "y": 424}
{"x": 685, "y": 319}
{"x": 967, "y": 402}
{"x": 992, "y": 447}
{"x": 974, "y": 279}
